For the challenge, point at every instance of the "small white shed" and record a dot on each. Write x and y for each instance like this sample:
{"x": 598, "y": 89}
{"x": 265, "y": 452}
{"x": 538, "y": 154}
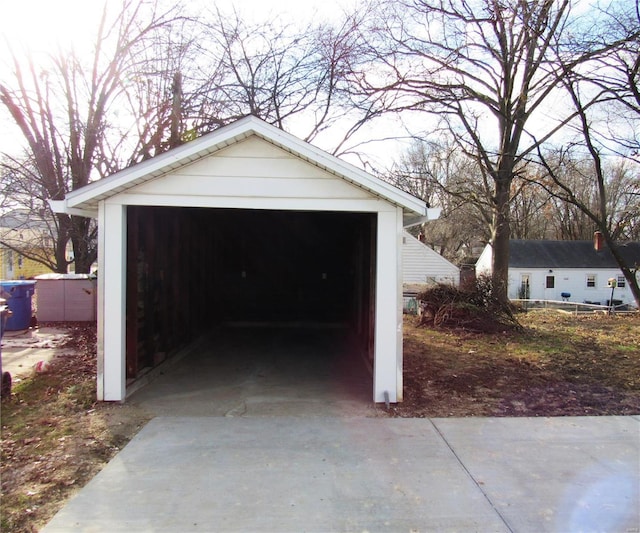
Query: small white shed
{"x": 245, "y": 223}
{"x": 66, "y": 298}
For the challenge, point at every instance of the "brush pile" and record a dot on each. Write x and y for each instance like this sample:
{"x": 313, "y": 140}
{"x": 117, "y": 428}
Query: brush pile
{"x": 472, "y": 308}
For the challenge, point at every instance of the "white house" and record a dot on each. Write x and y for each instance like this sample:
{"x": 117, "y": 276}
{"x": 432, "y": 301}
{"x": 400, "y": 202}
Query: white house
{"x": 246, "y": 223}
{"x": 563, "y": 270}
{"x": 423, "y": 265}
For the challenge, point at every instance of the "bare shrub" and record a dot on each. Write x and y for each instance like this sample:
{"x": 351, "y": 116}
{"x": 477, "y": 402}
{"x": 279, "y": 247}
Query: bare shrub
{"x": 473, "y": 307}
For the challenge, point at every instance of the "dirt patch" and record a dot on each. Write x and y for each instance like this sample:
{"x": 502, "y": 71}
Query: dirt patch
{"x": 558, "y": 365}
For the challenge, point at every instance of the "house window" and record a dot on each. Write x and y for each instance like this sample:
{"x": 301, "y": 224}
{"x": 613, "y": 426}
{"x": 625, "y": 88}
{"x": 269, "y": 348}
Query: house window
{"x": 551, "y": 282}
{"x": 591, "y": 281}
{"x": 622, "y": 282}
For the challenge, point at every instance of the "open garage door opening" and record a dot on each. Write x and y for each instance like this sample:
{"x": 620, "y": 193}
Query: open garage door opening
{"x": 193, "y": 270}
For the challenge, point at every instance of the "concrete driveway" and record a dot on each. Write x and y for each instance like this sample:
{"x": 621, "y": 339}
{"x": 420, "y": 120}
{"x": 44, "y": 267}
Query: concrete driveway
{"x": 293, "y": 474}
{"x": 273, "y": 431}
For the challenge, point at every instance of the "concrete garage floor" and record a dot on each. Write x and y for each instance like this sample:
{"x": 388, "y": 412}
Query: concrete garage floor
{"x": 275, "y": 440}
{"x": 264, "y": 371}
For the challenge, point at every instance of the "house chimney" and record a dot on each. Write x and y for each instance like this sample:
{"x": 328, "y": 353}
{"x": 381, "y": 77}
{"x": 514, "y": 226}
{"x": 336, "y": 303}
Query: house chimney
{"x": 598, "y": 241}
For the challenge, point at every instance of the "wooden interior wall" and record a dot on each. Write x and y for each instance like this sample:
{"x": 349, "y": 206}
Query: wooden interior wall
{"x": 165, "y": 292}
{"x": 135, "y": 315}
{"x": 369, "y": 267}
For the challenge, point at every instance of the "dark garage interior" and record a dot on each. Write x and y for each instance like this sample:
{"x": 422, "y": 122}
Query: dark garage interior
{"x": 190, "y": 270}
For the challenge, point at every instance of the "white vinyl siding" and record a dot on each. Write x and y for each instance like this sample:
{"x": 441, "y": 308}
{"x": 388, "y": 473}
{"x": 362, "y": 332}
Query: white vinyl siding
{"x": 252, "y": 168}
{"x": 422, "y": 265}
{"x": 568, "y": 281}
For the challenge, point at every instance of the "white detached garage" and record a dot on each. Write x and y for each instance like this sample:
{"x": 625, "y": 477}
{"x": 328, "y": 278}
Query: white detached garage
{"x": 245, "y": 224}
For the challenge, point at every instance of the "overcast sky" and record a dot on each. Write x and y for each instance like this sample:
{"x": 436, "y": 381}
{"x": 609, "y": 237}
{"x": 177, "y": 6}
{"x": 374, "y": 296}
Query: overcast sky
{"x": 44, "y": 22}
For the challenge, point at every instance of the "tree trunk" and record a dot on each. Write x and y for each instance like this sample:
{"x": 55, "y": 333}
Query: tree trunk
{"x": 60, "y": 243}
{"x": 501, "y": 234}
{"x": 176, "y": 111}
{"x": 632, "y": 280}
{"x": 628, "y": 272}
{"x": 83, "y": 251}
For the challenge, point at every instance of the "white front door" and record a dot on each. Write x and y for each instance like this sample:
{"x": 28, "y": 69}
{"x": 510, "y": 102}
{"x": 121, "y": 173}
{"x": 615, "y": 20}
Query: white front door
{"x": 524, "y": 292}
{"x": 550, "y": 286}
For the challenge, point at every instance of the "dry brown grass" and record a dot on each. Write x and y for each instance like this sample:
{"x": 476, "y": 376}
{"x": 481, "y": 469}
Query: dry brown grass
{"x": 558, "y": 365}
{"x": 55, "y": 437}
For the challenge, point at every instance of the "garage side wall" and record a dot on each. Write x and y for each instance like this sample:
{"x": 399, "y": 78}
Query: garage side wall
{"x": 422, "y": 264}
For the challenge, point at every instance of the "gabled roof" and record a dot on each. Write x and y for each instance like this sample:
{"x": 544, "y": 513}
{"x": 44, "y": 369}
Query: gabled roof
{"x": 568, "y": 254}
{"x": 84, "y": 201}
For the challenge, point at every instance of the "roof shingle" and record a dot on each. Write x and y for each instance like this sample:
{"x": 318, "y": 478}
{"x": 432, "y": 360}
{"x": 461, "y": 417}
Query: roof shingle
{"x": 567, "y": 254}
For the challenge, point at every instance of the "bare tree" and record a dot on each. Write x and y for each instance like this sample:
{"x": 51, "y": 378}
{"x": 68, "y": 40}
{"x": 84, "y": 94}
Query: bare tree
{"x": 434, "y": 172}
{"x": 157, "y": 79}
{"x": 532, "y": 211}
{"x": 256, "y": 69}
{"x": 616, "y": 77}
{"x": 613, "y": 208}
{"x": 63, "y": 112}
{"x": 293, "y": 78}
{"x": 26, "y": 225}
{"x": 167, "y": 92}
{"x": 610, "y": 201}
{"x": 605, "y": 143}
{"x": 218, "y": 68}
{"x": 485, "y": 72}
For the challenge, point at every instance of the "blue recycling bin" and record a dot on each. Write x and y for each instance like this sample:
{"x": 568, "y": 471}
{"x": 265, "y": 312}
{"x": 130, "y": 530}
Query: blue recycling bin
{"x": 18, "y": 295}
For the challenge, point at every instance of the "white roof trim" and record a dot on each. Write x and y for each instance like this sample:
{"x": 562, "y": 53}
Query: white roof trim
{"x": 86, "y": 198}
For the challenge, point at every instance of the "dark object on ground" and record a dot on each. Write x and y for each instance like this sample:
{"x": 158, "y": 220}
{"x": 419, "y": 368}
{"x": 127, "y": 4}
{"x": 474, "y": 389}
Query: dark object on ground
{"x": 5, "y": 390}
